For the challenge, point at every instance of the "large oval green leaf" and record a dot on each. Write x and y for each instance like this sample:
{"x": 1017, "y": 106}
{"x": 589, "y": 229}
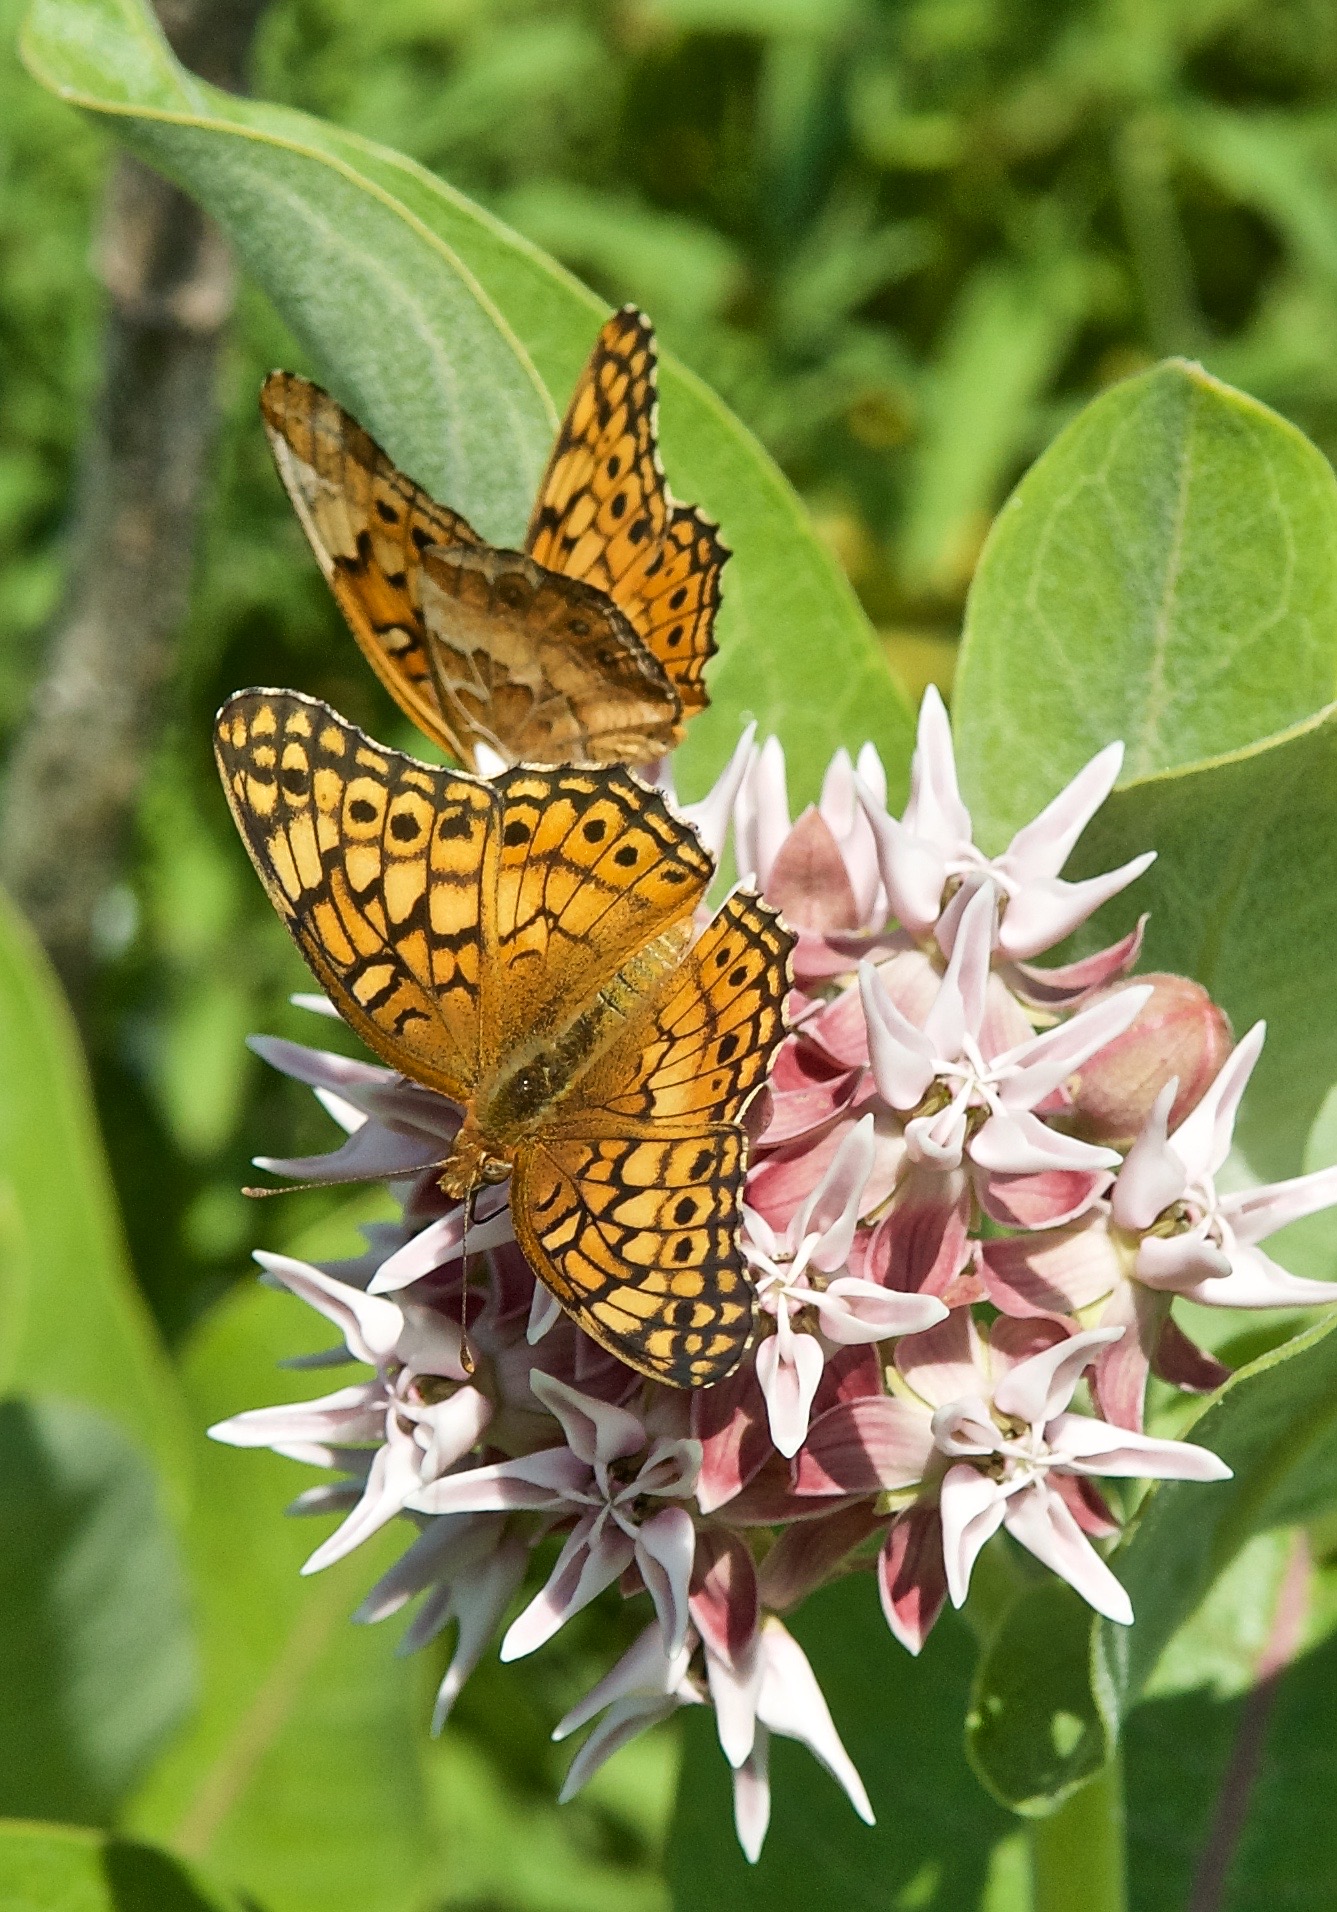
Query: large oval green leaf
{"x": 1243, "y": 895}
{"x": 1167, "y": 574}
{"x": 457, "y": 342}
{"x": 96, "y": 1665}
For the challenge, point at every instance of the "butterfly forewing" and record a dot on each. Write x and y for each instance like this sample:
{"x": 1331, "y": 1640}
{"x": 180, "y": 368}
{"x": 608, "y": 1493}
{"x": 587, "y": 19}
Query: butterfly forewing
{"x": 592, "y": 870}
{"x": 543, "y": 669}
{"x": 604, "y": 513}
{"x": 368, "y": 526}
{"x": 380, "y": 867}
{"x": 637, "y": 1238}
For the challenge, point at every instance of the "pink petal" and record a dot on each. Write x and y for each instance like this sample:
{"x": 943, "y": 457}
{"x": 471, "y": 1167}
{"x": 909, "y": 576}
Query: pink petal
{"x": 807, "y": 1554}
{"x": 624, "y": 1721}
{"x": 1035, "y": 1390}
{"x": 1018, "y": 1143}
{"x": 1085, "y": 1502}
{"x": 789, "y": 1385}
{"x": 1046, "y": 1061}
{"x": 1044, "y": 1525}
{"x": 863, "y": 1447}
{"x": 442, "y": 1241}
{"x": 798, "y": 1112}
{"x": 478, "y": 1601}
{"x": 901, "y": 1055}
{"x": 1012, "y": 1341}
{"x": 456, "y": 1425}
{"x": 1066, "y": 986}
{"x": 1153, "y": 1176}
{"x": 1046, "y": 1200}
{"x": 730, "y": 1422}
{"x": 944, "y": 1362}
{"x": 1185, "y": 1365}
{"x": 808, "y": 879}
{"x": 1258, "y": 1212}
{"x": 595, "y": 1553}
{"x": 1087, "y": 1446}
{"x": 1119, "y": 1373}
{"x": 852, "y": 1311}
{"x": 1202, "y": 1140}
{"x": 348, "y": 1416}
{"x": 594, "y": 1430}
{"x": 393, "y": 1477}
{"x": 1254, "y": 1280}
{"x": 1058, "y": 1271}
{"x": 911, "y": 1578}
{"x": 724, "y": 1593}
{"x": 971, "y": 1508}
{"x": 1181, "y": 1263}
{"x": 922, "y": 1243}
{"x": 1048, "y": 910}
{"x": 850, "y": 1374}
{"x": 752, "y": 1799}
{"x": 1041, "y": 847}
{"x": 664, "y": 1547}
{"x": 840, "y": 1031}
{"x": 791, "y": 1703}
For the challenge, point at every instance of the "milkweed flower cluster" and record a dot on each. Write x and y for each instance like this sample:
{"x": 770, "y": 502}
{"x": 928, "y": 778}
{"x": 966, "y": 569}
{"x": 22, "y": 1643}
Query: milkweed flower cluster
{"x": 976, "y": 1186}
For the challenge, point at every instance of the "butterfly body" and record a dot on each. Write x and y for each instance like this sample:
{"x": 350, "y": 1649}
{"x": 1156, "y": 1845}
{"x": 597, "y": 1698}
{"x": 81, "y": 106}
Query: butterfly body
{"x": 525, "y": 947}
{"x": 589, "y": 646}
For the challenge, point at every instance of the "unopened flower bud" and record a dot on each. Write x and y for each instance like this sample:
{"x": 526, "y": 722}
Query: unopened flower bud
{"x": 1179, "y": 1032}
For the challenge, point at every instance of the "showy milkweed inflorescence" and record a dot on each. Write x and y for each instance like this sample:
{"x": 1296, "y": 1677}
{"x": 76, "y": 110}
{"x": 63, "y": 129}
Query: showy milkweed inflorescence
{"x": 976, "y": 1186}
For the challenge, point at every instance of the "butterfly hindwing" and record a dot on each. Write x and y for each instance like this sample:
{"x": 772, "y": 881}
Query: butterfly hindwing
{"x": 542, "y": 668}
{"x": 380, "y": 868}
{"x": 637, "y": 1238}
{"x": 368, "y": 526}
{"x": 604, "y": 512}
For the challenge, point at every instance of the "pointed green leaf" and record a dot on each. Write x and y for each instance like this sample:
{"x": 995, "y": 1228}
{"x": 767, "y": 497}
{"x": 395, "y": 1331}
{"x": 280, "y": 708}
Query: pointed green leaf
{"x": 457, "y": 343}
{"x": 1166, "y": 574}
{"x": 80, "y": 1329}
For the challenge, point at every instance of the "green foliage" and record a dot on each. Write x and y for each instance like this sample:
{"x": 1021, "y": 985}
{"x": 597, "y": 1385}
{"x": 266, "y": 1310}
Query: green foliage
{"x": 44, "y": 1867}
{"x": 1164, "y": 574}
{"x": 95, "y": 1651}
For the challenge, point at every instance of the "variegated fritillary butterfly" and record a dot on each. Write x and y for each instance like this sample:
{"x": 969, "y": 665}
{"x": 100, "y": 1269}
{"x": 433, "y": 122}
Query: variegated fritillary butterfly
{"x": 587, "y": 647}
{"x": 524, "y": 946}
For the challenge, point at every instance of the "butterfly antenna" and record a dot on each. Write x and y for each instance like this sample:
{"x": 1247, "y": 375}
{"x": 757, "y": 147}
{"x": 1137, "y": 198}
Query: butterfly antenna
{"x": 466, "y": 1352}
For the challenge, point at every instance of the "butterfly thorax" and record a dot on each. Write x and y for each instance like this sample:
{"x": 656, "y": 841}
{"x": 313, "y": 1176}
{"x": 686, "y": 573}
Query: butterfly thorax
{"x": 524, "y": 1096}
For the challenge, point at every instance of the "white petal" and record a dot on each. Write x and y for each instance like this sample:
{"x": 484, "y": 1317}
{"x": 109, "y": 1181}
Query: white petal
{"x": 852, "y": 1311}
{"x": 594, "y": 1429}
{"x": 1254, "y": 1280}
{"x": 791, "y": 1703}
{"x": 788, "y": 1387}
{"x": 1044, "y": 912}
{"x": 597, "y": 1552}
{"x": 710, "y": 815}
{"x": 902, "y": 1056}
{"x": 645, "y": 1671}
{"x": 665, "y": 1546}
{"x": 1019, "y": 1143}
{"x": 1043, "y": 1384}
{"x": 371, "y": 1326}
{"x": 1202, "y": 1140}
{"x": 1083, "y": 1445}
{"x": 1043, "y": 1524}
{"x": 1153, "y": 1176}
{"x": 832, "y": 1209}
{"x": 1256, "y": 1213}
{"x": 1044, "y": 1062}
{"x": 1043, "y": 846}
{"x": 972, "y": 1508}
{"x": 752, "y": 1798}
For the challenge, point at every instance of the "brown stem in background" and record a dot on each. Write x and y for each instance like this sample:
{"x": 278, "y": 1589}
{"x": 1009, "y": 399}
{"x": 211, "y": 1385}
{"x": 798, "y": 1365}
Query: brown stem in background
{"x": 79, "y": 761}
{"x": 1246, "y": 1758}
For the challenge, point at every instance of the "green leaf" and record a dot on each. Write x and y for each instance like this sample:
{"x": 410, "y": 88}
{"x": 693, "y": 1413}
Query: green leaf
{"x": 1166, "y": 574}
{"x": 936, "y": 1835}
{"x": 1275, "y": 1425}
{"x": 79, "y": 1327}
{"x": 456, "y": 343}
{"x": 1243, "y": 896}
{"x": 96, "y": 1665}
{"x": 298, "y": 1777}
{"x": 60, "y": 1869}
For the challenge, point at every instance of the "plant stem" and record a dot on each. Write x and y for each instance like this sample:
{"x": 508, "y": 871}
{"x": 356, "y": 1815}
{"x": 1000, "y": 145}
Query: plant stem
{"x": 1077, "y": 1853}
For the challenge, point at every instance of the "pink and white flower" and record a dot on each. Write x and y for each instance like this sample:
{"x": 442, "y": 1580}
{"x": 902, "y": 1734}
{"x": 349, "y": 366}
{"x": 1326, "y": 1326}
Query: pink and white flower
{"x": 932, "y": 846}
{"x": 593, "y": 1478}
{"x": 420, "y": 1413}
{"x": 798, "y": 1282}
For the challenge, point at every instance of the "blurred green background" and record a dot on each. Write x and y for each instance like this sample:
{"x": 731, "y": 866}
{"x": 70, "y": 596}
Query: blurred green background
{"x": 905, "y": 242}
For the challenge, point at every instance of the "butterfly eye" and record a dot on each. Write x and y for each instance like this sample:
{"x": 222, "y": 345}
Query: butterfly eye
{"x": 579, "y": 627}
{"x": 512, "y": 594}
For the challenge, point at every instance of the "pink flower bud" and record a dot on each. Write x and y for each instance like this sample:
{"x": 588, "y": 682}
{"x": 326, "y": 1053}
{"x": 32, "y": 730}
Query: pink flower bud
{"x": 1179, "y": 1032}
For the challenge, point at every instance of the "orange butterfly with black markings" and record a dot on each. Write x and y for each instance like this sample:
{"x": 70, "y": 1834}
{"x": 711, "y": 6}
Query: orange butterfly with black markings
{"x": 524, "y": 945}
{"x": 590, "y": 645}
